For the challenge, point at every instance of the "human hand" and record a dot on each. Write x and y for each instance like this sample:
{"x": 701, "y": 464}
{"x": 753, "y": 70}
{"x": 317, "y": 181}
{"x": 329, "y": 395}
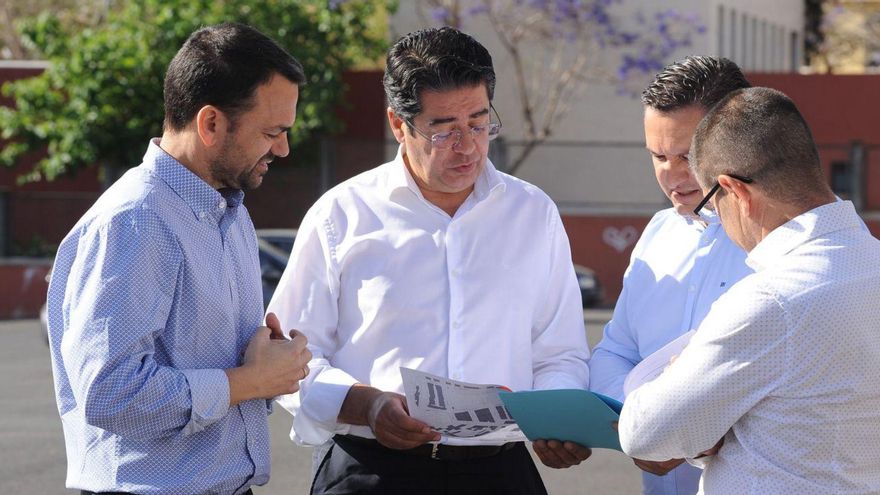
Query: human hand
{"x": 274, "y": 325}
{"x": 712, "y": 451}
{"x": 659, "y": 468}
{"x": 270, "y": 367}
{"x": 559, "y": 455}
{"x": 390, "y": 421}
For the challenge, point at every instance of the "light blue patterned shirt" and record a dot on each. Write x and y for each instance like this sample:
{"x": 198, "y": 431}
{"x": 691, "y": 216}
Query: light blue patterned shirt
{"x": 154, "y": 293}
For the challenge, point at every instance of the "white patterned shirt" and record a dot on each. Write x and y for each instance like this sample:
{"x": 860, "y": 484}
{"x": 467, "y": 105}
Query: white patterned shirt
{"x": 677, "y": 270}
{"x": 784, "y": 368}
{"x": 380, "y": 278}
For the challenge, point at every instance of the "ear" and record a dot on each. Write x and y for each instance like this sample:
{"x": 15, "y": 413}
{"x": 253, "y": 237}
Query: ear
{"x": 398, "y": 125}
{"x": 739, "y": 192}
{"x": 211, "y": 125}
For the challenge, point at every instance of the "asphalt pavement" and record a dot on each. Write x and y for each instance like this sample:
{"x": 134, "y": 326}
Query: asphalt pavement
{"x": 32, "y": 445}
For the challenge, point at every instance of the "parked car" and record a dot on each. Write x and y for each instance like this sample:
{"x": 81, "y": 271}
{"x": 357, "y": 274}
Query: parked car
{"x": 591, "y": 290}
{"x": 275, "y": 246}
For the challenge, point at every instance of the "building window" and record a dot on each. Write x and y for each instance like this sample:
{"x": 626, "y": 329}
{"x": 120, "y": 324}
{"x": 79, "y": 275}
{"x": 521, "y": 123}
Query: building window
{"x": 763, "y": 46}
{"x": 744, "y": 48}
{"x": 753, "y": 43}
{"x": 732, "y": 52}
{"x": 842, "y": 179}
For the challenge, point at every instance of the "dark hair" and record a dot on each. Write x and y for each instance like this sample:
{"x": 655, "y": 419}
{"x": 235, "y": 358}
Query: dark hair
{"x": 434, "y": 59}
{"x": 695, "y": 80}
{"x": 223, "y": 65}
{"x": 759, "y": 133}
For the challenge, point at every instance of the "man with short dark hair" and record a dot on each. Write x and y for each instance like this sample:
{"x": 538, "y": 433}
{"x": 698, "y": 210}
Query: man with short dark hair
{"x": 783, "y": 368}
{"x": 434, "y": 261}
{"x": 162, "y": 368}
{"x": 681, "y": 264}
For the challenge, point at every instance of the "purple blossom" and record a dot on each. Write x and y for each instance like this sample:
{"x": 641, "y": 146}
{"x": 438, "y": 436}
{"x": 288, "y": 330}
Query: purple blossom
{"x": 644, "y": 43}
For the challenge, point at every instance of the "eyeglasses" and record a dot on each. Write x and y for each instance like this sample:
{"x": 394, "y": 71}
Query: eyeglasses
{"x": 451, "y": 139}
{"x": 699, "y": 208}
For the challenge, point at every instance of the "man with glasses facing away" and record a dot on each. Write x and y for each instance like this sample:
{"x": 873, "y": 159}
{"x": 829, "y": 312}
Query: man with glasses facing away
{"x": 434, "y": 261}
{"x": 784, "y": 366}
{"x": 682, "y": 263}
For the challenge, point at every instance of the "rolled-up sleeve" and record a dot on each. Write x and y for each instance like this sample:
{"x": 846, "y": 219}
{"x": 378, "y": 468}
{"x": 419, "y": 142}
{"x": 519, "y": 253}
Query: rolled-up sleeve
{"x": 117, "y": 302}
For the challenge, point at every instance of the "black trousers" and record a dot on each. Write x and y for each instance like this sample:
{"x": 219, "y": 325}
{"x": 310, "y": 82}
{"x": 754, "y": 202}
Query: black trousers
{"x": 355, "y": 468}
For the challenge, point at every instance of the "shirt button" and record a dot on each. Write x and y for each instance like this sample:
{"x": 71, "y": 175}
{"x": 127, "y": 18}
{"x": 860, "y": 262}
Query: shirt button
{"x": 456, "y": 324}
{"x": 202, "y": 215}
{"x": 222, "y": 204}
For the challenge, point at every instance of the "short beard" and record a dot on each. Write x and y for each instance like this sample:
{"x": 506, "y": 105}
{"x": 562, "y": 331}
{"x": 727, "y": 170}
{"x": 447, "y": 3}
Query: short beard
{"x": 222, "y": 170}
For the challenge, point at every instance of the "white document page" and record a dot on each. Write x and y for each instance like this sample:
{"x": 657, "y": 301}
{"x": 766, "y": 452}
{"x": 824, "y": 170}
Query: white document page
{"x": 463, "y": 413}
{"x": 652, "y": 366}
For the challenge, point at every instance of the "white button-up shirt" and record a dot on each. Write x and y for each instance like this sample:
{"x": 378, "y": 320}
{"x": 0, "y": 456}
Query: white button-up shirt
{"x": 677, "y": 270}
{"x": 380, "y": 278}
{"x": 784, "y": 368}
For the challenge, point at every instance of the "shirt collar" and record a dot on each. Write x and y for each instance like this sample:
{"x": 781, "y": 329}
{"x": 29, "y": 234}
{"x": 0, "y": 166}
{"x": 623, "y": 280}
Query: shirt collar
{"x": 205, "y": 201}
{"x": 822, "y": 220}
{"x": 399, "y": 178}
{"x": 708, "y": 219}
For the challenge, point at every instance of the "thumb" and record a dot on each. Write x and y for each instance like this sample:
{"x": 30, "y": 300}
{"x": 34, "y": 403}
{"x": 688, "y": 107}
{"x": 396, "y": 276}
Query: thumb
{"x": 275, "y": 326}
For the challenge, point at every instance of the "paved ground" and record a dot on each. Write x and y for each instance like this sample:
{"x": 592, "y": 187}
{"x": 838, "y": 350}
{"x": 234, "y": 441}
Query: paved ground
{"x": 33, "y": 448}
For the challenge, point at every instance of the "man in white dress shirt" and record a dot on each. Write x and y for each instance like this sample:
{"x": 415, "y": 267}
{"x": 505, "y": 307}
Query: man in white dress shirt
{"x": 681, "y": 264}
{"x": 784, "y": 366}
{"x": 434, "y": 261}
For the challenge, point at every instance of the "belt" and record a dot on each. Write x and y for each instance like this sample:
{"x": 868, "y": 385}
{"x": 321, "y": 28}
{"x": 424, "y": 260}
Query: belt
{"x": 436, "y": 451}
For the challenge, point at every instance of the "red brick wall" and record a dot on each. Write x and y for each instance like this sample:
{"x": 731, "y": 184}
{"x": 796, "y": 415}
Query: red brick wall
{"x": 604, "y": 245}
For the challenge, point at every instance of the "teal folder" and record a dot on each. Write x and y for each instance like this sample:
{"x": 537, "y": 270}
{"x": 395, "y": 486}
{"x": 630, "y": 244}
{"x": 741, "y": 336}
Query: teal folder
{"x": 568, "y": 415}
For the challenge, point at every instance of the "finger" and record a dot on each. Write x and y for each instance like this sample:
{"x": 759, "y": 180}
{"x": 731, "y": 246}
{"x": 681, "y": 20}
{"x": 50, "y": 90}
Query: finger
{"x": 578, "y": 451}
{"x": 548, "y": 456}
{"x": 299, "y": 339}
{"x": 302, "y": 358}
{"x": 567, "y": 458}
{"x": 648, "y": 467}
{"x": 394, "y": 436}
{"x": 262, "y": 333}
{"x": 275, "y": 326}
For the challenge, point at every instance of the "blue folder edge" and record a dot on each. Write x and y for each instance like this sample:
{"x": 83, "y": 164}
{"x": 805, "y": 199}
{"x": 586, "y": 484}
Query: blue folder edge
{"x": 572, "y": 415}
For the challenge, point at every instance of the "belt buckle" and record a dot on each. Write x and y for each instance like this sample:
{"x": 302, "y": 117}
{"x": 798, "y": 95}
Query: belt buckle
{"x": 435, "y": 447}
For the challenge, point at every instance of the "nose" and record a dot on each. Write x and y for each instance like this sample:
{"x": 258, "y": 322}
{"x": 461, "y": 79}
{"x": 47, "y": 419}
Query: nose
{"x": 678, "y": 170}
{"x": 280, "y": 145}
{"x": 466, "y": 142}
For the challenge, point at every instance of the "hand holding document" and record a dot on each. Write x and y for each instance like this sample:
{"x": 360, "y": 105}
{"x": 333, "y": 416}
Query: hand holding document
{"x": 467, "y": 414}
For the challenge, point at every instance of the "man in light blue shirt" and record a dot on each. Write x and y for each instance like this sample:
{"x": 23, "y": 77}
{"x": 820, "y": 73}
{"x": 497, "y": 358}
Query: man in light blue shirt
{"x": 162, "y": 369}
{"x": 681, "y": 264}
